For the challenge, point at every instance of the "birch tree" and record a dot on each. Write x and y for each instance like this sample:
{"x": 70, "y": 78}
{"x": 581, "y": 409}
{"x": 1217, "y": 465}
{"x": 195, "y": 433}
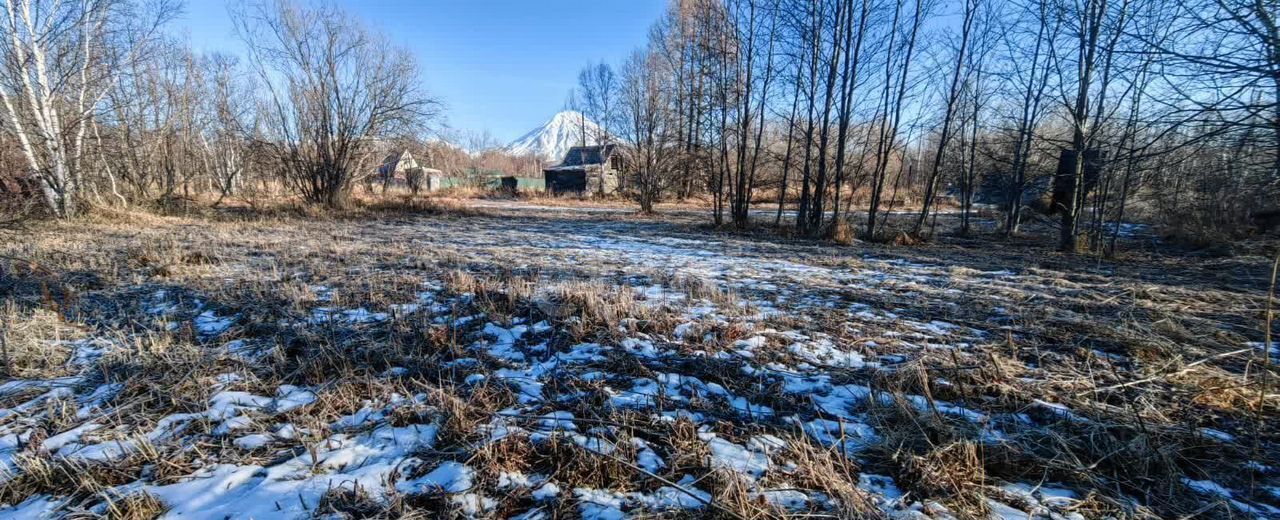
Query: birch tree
{"x": 58, "y": 58}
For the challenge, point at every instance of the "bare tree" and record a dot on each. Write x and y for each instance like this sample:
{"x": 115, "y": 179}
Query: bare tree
{"x": 646, "y": 127}
{"x": 597, "y": 90}
{"x": 813, "y": 38}
{"x": 57, "y": 61}
{"x": 957, "y": 79}
{"x": 1091, "y": 20}
{"x": 333, "y": 88}
{"x": 812, "y": 207}
{"x": 849, "y": 82}
{"x": 1032, "y": 81}
{"x": 753, "y": 90}
{"x": 895, "y": 87}
{"x": 745, "y": 75}
{"x": 229, "y": 112}
{"x": 1227, "y": 54}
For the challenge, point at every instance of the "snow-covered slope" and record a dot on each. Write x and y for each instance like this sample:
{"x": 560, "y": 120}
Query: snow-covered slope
{"x": 551, "y": 140}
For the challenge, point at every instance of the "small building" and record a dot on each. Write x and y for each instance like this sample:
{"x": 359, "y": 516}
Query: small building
{"x": 397, "y": 165}
{"x": 400, "y": 169}
{"x": 586, "y": 170}
{"x": 437, "y": 180}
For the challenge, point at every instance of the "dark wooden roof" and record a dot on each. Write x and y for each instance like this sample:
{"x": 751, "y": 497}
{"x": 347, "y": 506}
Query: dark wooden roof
{"x": 394, "y": 157}
{"x": 587, "y": 155}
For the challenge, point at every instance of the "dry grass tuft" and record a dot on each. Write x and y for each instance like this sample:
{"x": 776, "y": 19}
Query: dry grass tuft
{"x": 832, "y": 472}
{"x": 38, "y": 474}
{"x": 906, "y": 239}
{"x": 413, "y": 205}
{"x": 844, "y": 232}
{"x": 33, "y": 343}
{"x": 345, "y": 502}
{"x": 462, "y": 414}
{"x": 952, "y": 472}
{"x": 137, "y": 506}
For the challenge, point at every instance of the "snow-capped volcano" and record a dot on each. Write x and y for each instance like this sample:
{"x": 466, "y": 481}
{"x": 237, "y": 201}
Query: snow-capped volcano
{"x": 551, "y": 140}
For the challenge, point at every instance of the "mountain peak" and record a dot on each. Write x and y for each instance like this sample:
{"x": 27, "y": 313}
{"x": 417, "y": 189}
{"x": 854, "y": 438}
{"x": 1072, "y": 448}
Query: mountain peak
{"x": 552, "y": 139}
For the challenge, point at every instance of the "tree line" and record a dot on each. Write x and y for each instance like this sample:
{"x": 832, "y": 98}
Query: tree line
{"x": 821, "y": 115}
{"x": 101, "y": 104}
{"x": 826, "y": 115}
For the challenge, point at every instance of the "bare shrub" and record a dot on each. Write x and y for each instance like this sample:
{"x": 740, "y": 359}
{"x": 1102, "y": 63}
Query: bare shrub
{"x": 334, "y": 87}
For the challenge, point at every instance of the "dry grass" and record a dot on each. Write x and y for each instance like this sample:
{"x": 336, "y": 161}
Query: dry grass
{"x": 141, "y": 506}
{"x": 31, "y": 342}
{"x": 1144, "y": 354}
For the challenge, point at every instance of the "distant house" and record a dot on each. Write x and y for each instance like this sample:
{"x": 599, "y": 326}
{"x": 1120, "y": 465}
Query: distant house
{"x": 397, "y": 165}
{"x": 587, "y": 169}
{"x": 401, "y": 168}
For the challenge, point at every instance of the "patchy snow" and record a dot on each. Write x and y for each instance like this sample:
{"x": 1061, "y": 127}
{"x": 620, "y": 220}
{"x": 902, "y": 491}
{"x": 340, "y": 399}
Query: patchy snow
{"x": 548, "y": 491}
{"x": 557, "y": 421}
{"x": 360, "y": 315}
{"x": 597, "y": 504}
{"x": 39, "y": 506}
{"x": 208, "y": 323}
{"x": 504, "y": 340}
{"x": 1217, "y": 434}
{"x": 824, "y": 352}
{"x": 1274, "y": 350}
{"x": 787, "y": 499}
{"x": 646, "y": 457}
{"x": 645, "y": 393}
{"x": 722, "y": 355}
{"x": 1207, "y": 487}
{"x": 253, "y": 441}
{"x": 229, "y": 410}
{"x": 295, "y": 486}
{"x": 448, "y": 477}
{"x": 686, "y": 497}
{"x": 727, "y": 455}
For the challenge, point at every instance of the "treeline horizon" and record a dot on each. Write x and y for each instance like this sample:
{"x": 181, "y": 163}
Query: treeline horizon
{"x": 103, "y": 106}
{"x": 847, "y": 108}
{"x": 858, "y": 104}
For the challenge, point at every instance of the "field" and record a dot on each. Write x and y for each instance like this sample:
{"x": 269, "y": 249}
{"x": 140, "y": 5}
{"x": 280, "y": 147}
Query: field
{"x": 515, "y": 360}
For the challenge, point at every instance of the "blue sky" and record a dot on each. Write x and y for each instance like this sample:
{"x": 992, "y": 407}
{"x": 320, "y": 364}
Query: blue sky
{"x": 504, "y": 66}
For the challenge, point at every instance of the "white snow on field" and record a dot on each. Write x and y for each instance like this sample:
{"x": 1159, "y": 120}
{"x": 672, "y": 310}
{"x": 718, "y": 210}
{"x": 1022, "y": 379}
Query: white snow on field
{"x": 210, "y": 324}
{"x": 448, "y": 477}
{"x": 292, "y": 488}
{"x": 750, "y": 358}
{"x": 645, "y": 393}
{"x": 735, "y": 457}
{"x": 229, "y": 411}
{"x": 352, "y": 316}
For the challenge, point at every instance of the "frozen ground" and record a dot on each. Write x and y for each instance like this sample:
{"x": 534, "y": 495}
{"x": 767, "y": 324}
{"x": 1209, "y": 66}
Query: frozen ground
{"x": 539, "y": 363}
